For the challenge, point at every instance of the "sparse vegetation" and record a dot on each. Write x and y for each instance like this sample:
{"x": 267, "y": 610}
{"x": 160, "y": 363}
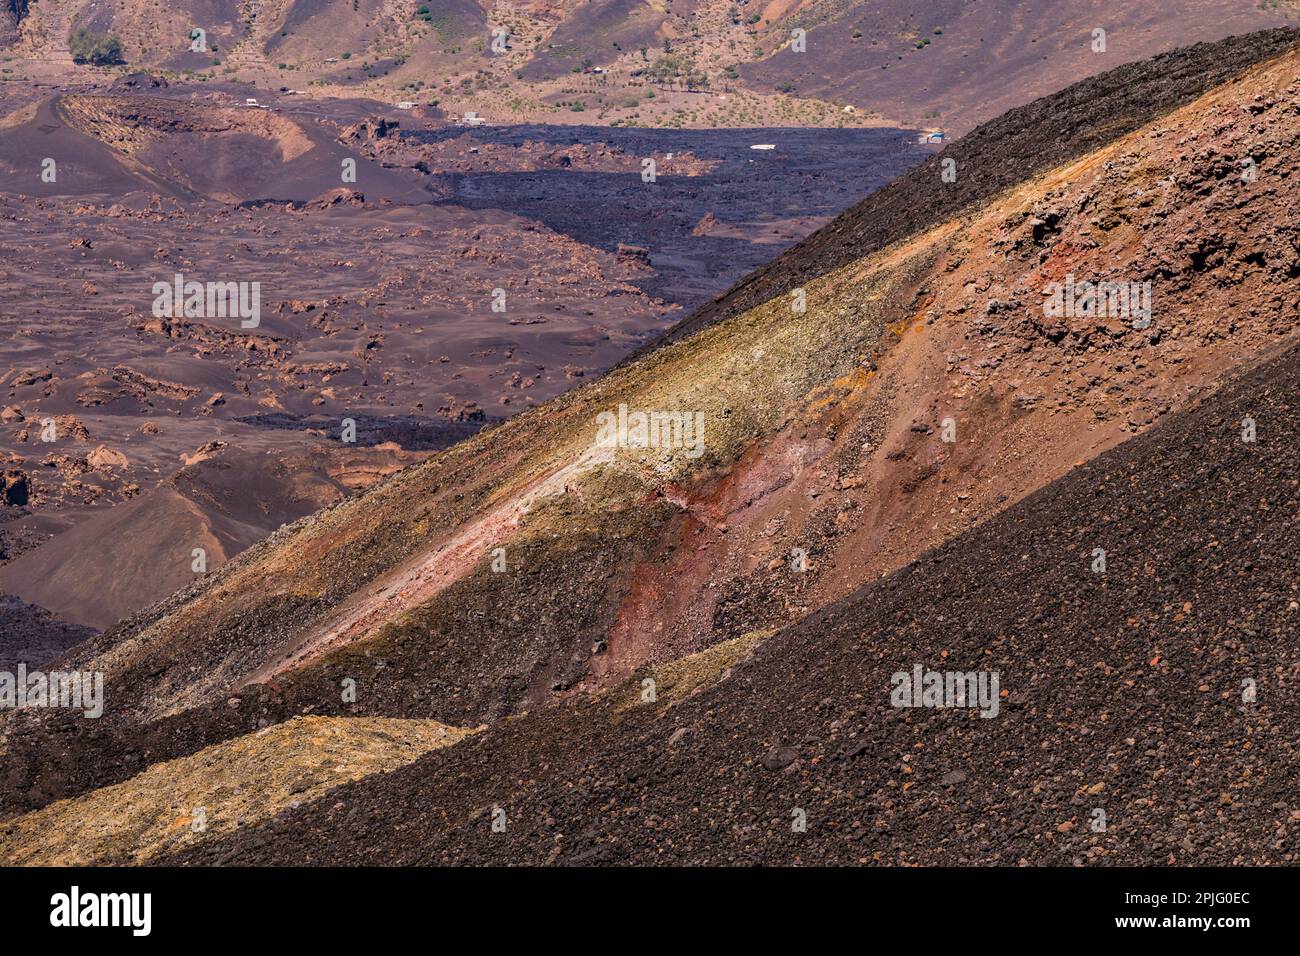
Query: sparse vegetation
{"x": 675, "y": 69}
{"x": 98, "y": 49}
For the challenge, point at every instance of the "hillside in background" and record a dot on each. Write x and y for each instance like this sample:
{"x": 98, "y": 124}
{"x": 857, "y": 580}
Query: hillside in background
{"x": 951, "y": 64}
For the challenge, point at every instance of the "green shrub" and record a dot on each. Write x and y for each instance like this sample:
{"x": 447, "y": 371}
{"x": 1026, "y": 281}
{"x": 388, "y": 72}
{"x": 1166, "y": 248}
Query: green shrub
{"x": 99, "y": 49}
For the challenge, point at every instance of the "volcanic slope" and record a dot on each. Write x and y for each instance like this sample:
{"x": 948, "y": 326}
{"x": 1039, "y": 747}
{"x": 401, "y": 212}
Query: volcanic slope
{"x": 1023, "y": 142}
{"x": 221, "y": 502}
{"x": 960, "y": 62}
{"x": 949, "y": 63}
{"x": 532, "y": 563}
{"x": 180, "y": 802}
{"x": 116, "y": 144}
{"x": 1144, "y": 712}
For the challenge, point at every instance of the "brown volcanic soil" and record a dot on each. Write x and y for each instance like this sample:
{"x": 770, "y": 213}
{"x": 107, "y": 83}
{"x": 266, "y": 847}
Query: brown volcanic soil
{"x": 226, "y": 153}
{"x": 372, "y": 310}
{"x": 821, "y": 435}
{"x": 1123, "y": 692}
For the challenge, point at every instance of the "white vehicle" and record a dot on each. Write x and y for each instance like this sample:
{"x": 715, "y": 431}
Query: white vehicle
{"x": 763, "y": 146}
{"x": 251, "y": 102}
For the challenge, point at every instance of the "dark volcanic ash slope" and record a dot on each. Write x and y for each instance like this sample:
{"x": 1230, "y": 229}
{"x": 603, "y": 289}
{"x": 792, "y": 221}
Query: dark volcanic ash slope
{"x": 1160, "y": 693}
{"x": 1010, "y": 149}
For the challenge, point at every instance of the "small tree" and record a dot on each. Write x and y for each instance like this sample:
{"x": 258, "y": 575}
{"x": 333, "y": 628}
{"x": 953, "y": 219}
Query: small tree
{"x": 99, "y": 49}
